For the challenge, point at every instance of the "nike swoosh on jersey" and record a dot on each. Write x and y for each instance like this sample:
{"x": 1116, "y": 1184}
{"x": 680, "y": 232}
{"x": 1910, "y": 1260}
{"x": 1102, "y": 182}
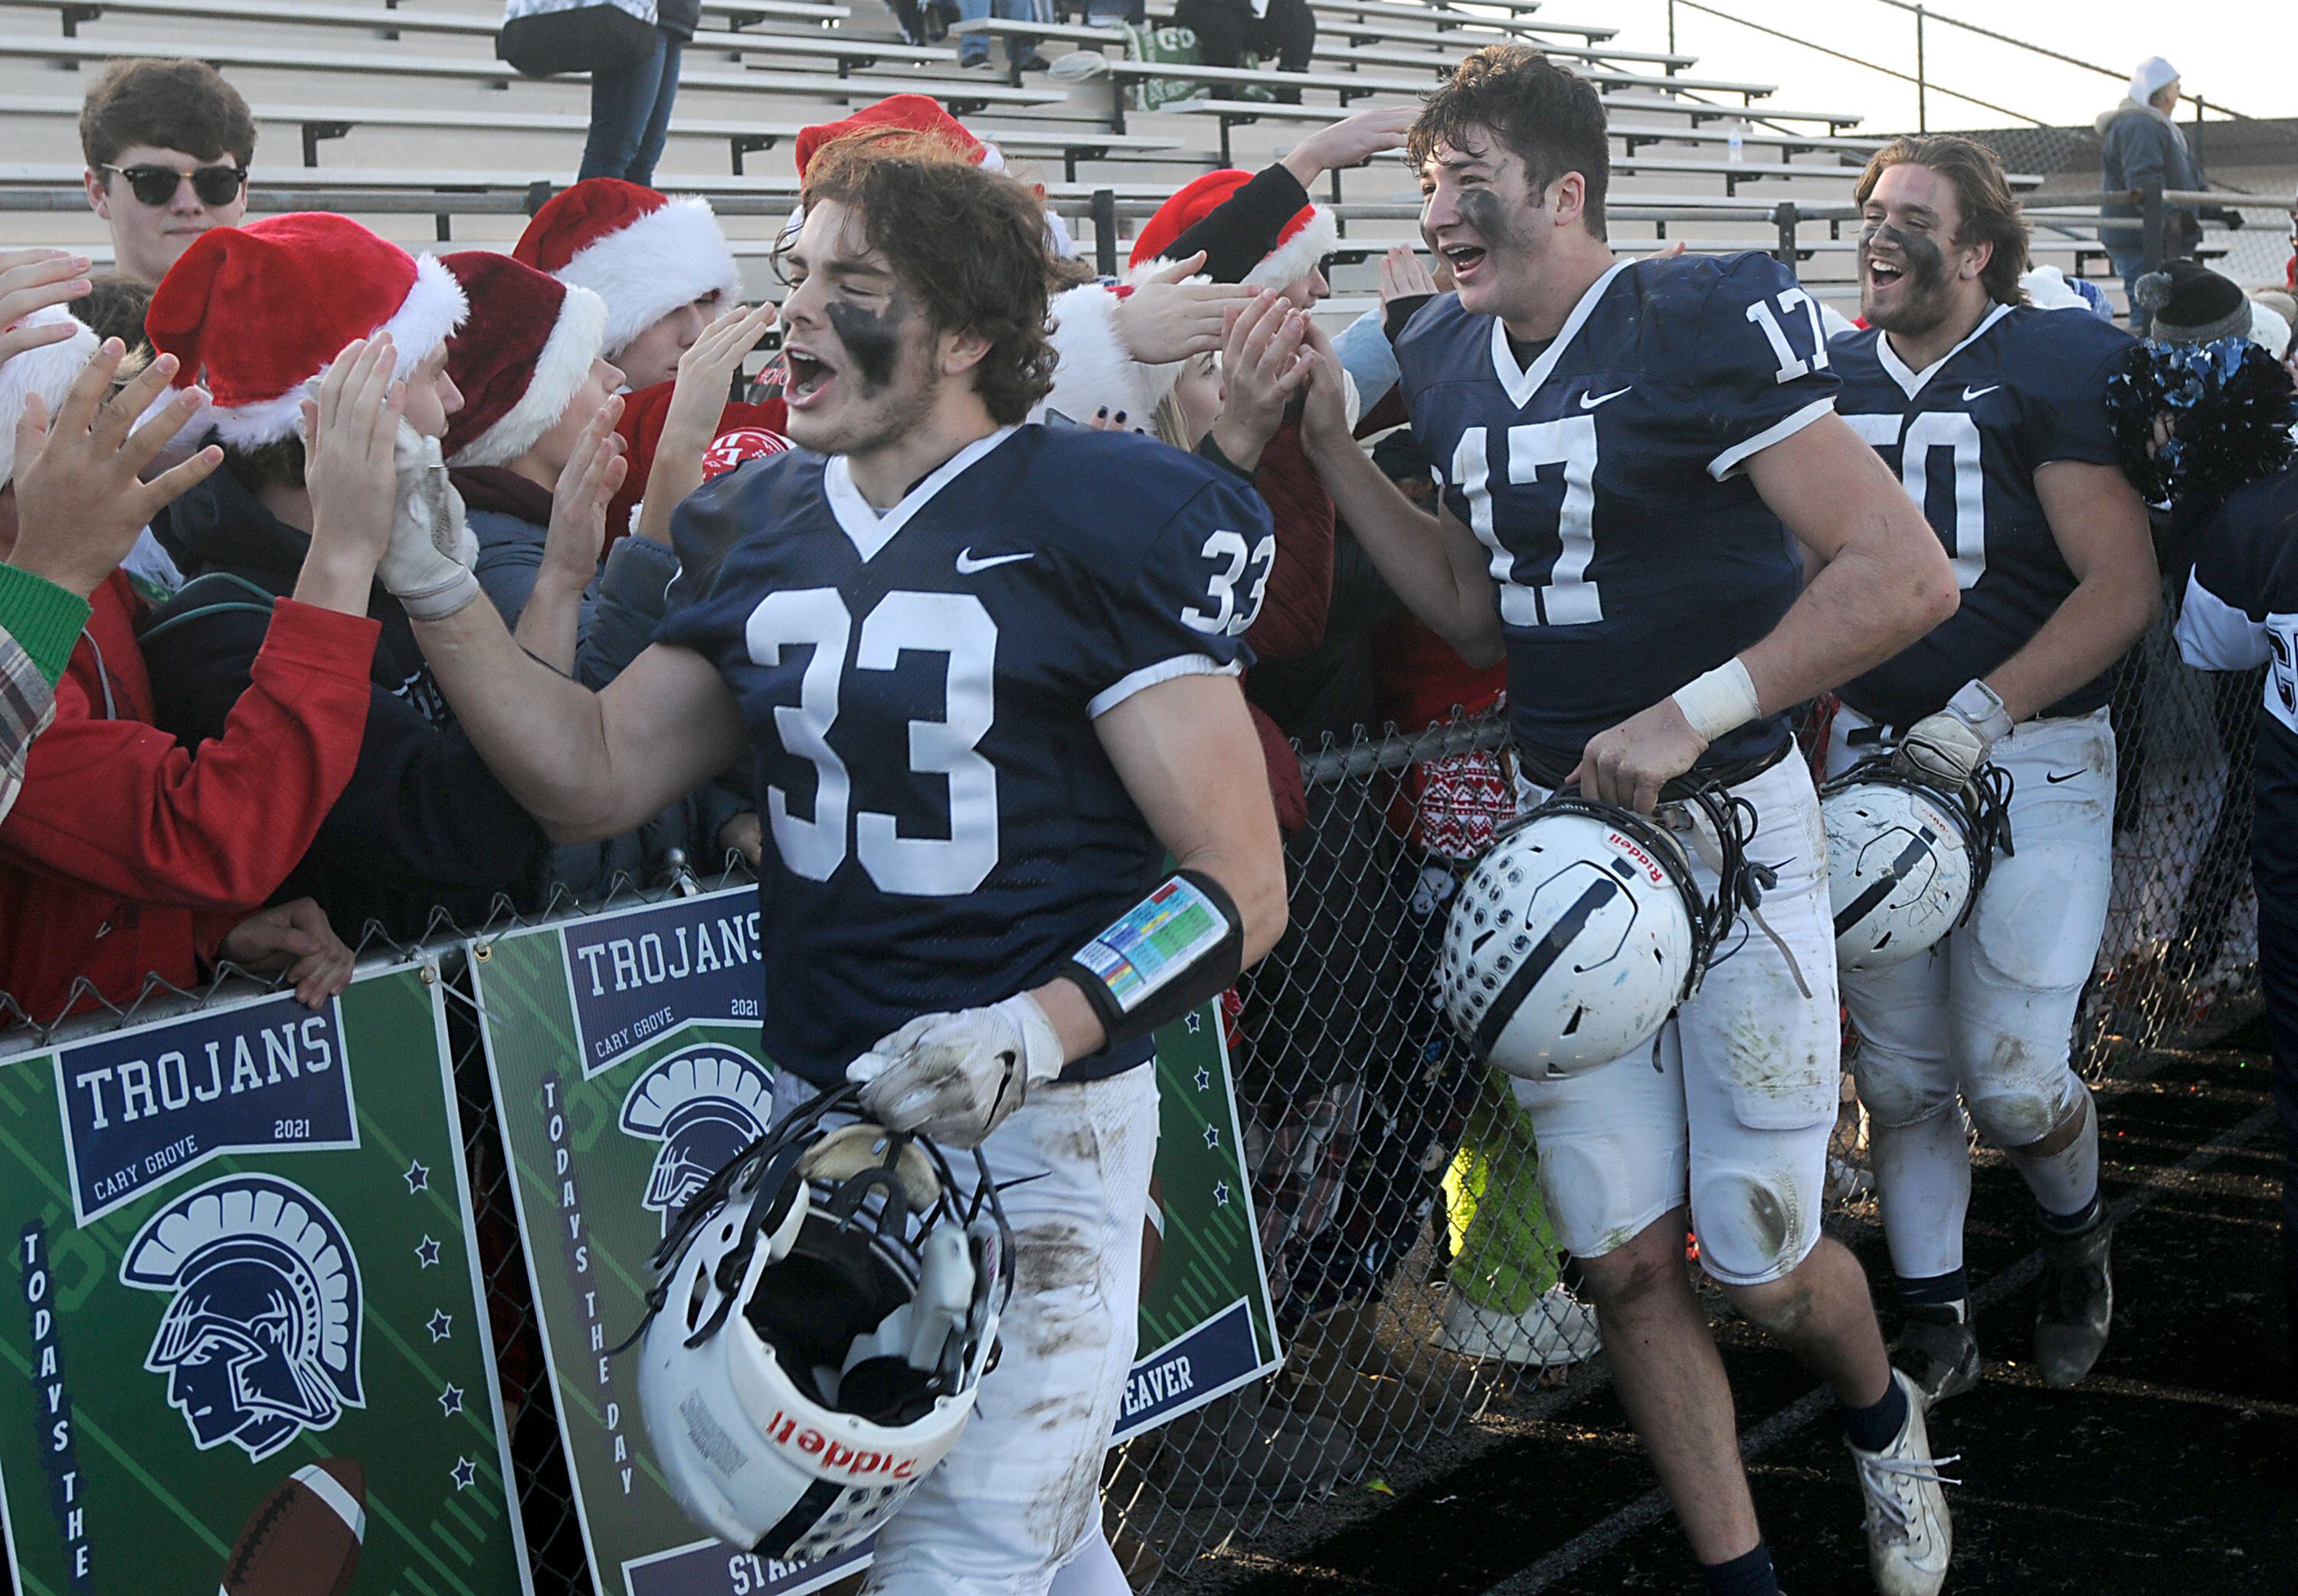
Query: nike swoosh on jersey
{"x": 967, "y": 565}
{"x": 2055, "y": 781}
{"x": 1971, "y": 394}
{"x": 1589, "y": 402}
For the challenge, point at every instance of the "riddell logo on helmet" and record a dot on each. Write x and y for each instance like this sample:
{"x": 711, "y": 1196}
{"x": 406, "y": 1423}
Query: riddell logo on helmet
{"x": 1658, "y": 876}
{"x": 855, "y": 1462}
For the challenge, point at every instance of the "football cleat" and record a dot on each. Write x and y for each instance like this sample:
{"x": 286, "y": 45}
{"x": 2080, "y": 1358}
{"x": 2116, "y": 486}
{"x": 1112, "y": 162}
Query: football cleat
{"x": 1910, "y": 1536}
{"x": 1556, "y": 1331}
{"x": 2070, "y": 1321}
{"x": 1937, "y": 1350}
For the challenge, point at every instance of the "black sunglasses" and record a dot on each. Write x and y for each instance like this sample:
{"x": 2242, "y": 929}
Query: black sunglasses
{"x": 156, "y": 185}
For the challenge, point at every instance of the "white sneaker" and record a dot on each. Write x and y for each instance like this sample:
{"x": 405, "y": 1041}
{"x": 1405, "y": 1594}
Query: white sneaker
{"x": 1556, "y": 1330}
{"x": 1909, "y": 1534}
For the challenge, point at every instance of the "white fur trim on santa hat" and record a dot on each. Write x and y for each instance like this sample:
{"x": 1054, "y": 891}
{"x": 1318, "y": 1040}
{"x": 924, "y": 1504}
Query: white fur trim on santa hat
{"x": 575, "y": 343}
{"x": 48, "y": 371}
{"x": 1093, "y": 368}
{"x": 1290, "y": 260}
{"x": 672, "y": 256}
{"x": 433, "y": 307}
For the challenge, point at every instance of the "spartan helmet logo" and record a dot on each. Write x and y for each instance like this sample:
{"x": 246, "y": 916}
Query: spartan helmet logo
{"x": 261, "y": 1340}
{"x": 703, "y": 1105}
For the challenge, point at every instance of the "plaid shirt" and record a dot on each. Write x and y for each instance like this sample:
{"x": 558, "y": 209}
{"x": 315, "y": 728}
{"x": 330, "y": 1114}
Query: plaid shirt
{"x": 27, "y": 703}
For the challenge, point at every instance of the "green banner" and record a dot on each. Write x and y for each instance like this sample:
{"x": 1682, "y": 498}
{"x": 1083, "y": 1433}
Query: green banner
{"x": 627, "y": 1070}
{"x": 248, "y": 1349}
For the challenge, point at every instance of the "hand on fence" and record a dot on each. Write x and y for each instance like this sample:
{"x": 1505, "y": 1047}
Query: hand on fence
{"x": 293, "y": 940}
{"x": 80, "y": 496}
{"x": 743, "y": 834}
{"x": 1262, "y": 368}
{"x": 1167, "y": 317}
{"x": 34, "y": 280}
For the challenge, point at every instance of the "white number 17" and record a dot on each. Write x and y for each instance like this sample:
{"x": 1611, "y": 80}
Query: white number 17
{"x": 1791, "y": 365}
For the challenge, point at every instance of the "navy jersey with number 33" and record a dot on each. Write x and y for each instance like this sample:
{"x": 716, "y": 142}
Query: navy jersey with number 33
{"x": 1630, "y": 552}
{"x": 2026, "y": 389}
{"x": 920, "y": 689}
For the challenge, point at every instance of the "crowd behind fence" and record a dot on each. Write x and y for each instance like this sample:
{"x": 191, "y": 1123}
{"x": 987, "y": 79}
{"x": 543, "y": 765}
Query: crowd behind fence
{"x": 1370, "y": 1128}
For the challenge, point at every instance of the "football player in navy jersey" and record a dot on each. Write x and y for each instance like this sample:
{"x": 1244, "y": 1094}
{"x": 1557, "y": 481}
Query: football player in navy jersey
{"x": 1627, "y": 449}
{"x": 986, "y": 673}
{"x": 1993, "y": 413}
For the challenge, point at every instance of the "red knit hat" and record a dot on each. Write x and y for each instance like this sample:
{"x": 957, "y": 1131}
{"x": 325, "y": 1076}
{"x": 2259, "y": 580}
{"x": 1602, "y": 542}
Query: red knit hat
{"x": 258, "y": 312}
{"x": 643, "y": 252}
{"x": 1306, "y": 239}
{"x": 519, "y": 358}
{"x": 909, "y": 113}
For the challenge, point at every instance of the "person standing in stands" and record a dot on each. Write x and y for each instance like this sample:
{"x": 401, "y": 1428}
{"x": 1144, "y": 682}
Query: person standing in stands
{"x": 1228, "y": 29}
{"x": 168, "y": 145}
{"x": 630, "y": 107}
{"x": 2141, "y": 146}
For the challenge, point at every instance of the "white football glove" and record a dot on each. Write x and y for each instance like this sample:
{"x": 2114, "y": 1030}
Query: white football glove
{"x": 957, "y": 1077}
{"x": 1947, "y": 747}
{"x": 427, "y": 568}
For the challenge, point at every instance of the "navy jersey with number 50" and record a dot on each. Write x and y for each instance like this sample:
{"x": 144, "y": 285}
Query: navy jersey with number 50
{"x": 1630, "y": 552}
{"x": 920, "y": 689}
{"x": 2026, "y": 389}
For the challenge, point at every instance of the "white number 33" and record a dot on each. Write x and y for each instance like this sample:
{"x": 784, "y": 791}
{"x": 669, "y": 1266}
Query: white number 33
{"x": 1227, "y": 617}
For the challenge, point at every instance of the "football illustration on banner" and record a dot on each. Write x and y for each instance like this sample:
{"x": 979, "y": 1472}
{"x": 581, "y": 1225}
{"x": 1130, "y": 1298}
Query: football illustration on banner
{"x": 260, "y": 1341}
{"x": 304, "y": 1537}
{"x": 704, "y": 1106}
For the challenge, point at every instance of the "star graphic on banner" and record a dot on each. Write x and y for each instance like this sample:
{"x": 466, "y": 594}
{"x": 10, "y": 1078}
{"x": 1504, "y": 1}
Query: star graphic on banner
{"x": 418, "y": 1179}
{"x": 1195, "y": 1022}
{"x": 1205, "y": 1079}
{"x": 466, "y": 1474}
{"x": 451, "y": 1401}
{"x": 1220, "y": 1194}
{"x": 1213, "y": 1136}
{"x": 426, "y": 1252}
{"x": 442, "y": 1324}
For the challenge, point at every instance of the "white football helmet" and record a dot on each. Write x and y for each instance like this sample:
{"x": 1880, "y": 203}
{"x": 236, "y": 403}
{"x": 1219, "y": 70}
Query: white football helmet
{"x": 1905, "y": 858}
{"x": 1573, "y": 939}
{"x": 822, "y": 1315}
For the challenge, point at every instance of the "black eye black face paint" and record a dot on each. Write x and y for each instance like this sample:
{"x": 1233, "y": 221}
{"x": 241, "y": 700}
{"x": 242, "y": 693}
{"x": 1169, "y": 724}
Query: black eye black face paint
{"x": 1925, "y": 265}
{"x": 872, "y": 337}
{"x": 1485, "y": 210}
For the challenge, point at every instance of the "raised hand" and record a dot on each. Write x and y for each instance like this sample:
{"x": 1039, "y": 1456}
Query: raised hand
{"x": 348, "y": 431}
{"x": 1325, "y": 410}
{"x": 80, "y": 496}
{"x": 1350, "y": 142}
{"x": 705, "y": 373}
{"x": 1167, "y": 317}
{"x": 1403, "y": 276}
{"x": 548, "y": 627}
{"x": 1261, "y": 369}
{"x": 33, "y": 280}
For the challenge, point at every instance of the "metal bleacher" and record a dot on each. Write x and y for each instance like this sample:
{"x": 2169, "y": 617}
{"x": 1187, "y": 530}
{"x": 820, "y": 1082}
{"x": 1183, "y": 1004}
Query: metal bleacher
{"x": 404, "y": 116}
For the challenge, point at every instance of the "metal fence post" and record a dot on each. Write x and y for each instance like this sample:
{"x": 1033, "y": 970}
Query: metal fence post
{"x": 1922, "y": 101}
{"x": 1105, "y": 231}
{"x": 1785, "y": 215}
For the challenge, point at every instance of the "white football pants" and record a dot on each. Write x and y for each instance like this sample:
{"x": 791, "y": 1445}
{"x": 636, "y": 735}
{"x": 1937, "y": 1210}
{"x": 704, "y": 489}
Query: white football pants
{"x": 1019, "y": 1494}
{"x": 1733, "y": 1105}
{"x": 1988, "y": 1015}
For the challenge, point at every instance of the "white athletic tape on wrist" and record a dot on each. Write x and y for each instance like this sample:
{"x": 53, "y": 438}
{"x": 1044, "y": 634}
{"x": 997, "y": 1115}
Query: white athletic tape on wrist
{"x": 1721, "y": 702}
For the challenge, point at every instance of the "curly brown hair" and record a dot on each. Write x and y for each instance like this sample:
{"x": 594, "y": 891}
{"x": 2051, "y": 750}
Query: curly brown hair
{"x": 970, "y": 244}
{"x": 1550, "y": 118}
{"x": 1989, "y": 212}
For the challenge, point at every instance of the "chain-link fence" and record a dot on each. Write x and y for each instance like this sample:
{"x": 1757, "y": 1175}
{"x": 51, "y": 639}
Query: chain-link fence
{"x": 1408, "y": 1260}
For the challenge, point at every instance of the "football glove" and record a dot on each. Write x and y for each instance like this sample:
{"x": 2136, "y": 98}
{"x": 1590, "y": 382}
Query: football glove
{"x": 1947, "y": 747}
{"x": 957, "y": 1077}
{"x": 427, "y": 568}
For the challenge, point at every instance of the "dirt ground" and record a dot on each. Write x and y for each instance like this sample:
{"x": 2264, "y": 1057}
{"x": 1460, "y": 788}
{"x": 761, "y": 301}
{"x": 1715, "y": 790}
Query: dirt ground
{"x": 2170, "y": 1470}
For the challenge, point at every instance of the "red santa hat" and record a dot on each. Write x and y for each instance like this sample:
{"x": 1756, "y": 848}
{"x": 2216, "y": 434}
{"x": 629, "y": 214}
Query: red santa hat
{"x": 519, "y": 358}
{"x": 905, "y": 113}
{"x": 258, "y": 313}
{"x": 1306, "y": 238}
{"x": 643, "y": 415}
{"x": 645, "y": 253}
{"x": 48, "y": 371}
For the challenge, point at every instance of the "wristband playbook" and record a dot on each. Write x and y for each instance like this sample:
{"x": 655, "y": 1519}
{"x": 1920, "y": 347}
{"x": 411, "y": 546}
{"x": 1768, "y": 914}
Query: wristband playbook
{"x": 1179, "y": 946}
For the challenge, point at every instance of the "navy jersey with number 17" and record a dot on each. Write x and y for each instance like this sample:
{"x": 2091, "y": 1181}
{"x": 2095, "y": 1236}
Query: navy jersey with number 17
{"x": 2026, "y": 388}
{"x": 1629, "y": 551}
{"x": 920, "y": 689}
